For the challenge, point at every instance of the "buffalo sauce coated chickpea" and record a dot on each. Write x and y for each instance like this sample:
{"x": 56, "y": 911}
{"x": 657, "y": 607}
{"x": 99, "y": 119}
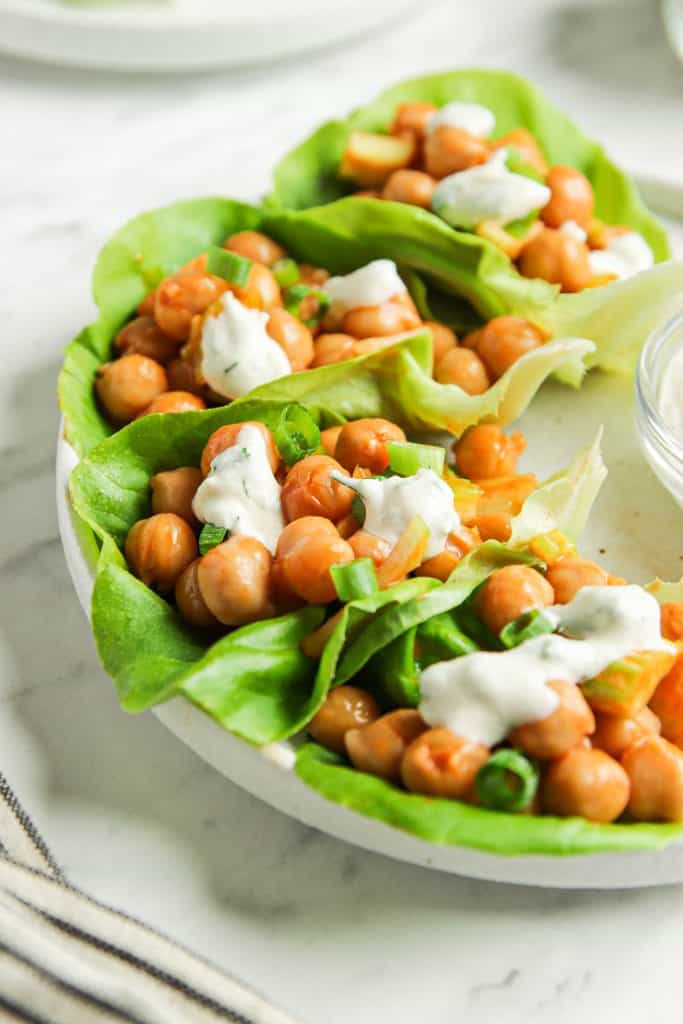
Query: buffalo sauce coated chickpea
{"x": 143, "y": 337}
{"x": 174, "y": 401}
{"x": 159, "y": 548}
{"x": 413, "y": 187}
{"x": 378, "y": 748}
{"x": 448, "y": 150}
{"x": 504, "y": 340}
{"x": 464, "y": 368}
{"x": 189, "y": 600}
{"x": 333, "y": 348}
{"x": 413, "y": 117}
{"x": 181, "y": 376}
{"x": 370, "y": 545}
{"x": 672, "y": 620}
{"x": 255, "y": 246}
{"x": 364, "y": 443}
{"x": 440, "y": 566}
{"x": 181, "y": 297}
{"x": 558, "y": 258}
{"x": 345, "y": 707}
{"x": 310, "y": 490}
{"x": 510, "y": 591}
{"x": 569, "y": 574}
{"x": 328, "y": 439}
{"x": 441, "y": 763}
{"x": 485, "y": 451}
{"x": 443, "y": 339}
{"x": 572, "y": 197}
{"x": 173, "y": 491}
{"x": 226, "y": 437}
{"x": 293, "y": 337}
{"x": 525, "y": 143}
{"x": 127, "y": 386}
{"x": 585, "y": 783}
{"x": 306, "y": 550}
{"x": 655, "y": 769}
{"x": 615, "y": 735}
{"x": 234, "y": 581}
{"x": 261, "y": 290}
{"x": 564, "y": 728}
{"x": 391, "y": 317}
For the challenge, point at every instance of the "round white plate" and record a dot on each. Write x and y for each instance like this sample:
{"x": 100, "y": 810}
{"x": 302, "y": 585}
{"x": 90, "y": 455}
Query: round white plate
{"x": 182, "y": 35}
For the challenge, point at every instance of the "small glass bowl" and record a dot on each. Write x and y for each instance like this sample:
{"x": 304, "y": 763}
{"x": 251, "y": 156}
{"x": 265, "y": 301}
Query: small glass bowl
{"x": 663, "y": 450}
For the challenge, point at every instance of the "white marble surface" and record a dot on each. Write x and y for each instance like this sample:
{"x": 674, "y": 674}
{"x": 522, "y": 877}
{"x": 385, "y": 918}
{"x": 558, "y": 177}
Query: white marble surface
{"x": 328, "y": 931}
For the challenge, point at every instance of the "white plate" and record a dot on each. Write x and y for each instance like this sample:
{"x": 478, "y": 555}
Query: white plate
{"x": 183, "y": 35}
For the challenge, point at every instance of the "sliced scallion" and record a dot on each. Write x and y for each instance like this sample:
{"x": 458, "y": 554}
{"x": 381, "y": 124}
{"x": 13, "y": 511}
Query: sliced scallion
{"x": 525, "y": 627}
{"x": 294, "y": 299}
{"x": 285, "y": 272}
{"x": 354, "y": 579}
{"x": 406, "y": 458}
{"x": 296, "y": 434}
{"x": 210, "y": 537}
{"x": 507, "y": 782}
{"x": 228, "y": 265}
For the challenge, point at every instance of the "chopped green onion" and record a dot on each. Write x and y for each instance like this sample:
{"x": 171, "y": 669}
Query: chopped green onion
{"x": 294, "y": 297}
{"x": 358, "y": 509}
{"x": 406, "y": 458}
{"x": 524, "y": 627}
{"x": 210, "y": 537}
{"x": 296, "y": 434}
{"x": 286, "y": 272}
{"x": 228, "y": 265}
{"x": 354, "y": 579}
{"x": 507, "y": 782}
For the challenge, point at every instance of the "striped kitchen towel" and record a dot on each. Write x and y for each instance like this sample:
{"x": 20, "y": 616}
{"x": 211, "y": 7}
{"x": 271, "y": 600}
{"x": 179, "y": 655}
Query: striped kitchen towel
{"x": 65, "y": 958}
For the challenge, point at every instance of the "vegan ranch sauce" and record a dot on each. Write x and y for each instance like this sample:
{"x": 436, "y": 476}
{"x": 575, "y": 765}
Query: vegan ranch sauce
{"x": 470, "y": 117}
{"x": 483, "y": 696}
{"x": 240, "y": 493}
{"x": 368, "y": 286}
{"x": 624, "y": 256}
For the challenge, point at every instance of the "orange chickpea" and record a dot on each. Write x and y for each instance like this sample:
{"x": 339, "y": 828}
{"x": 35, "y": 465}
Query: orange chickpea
{"x": 255, "y": 246}
{"x": 345, "y": 707}
{"x": 569, "y": 574}
{"x": 293, "y": 337}
{"x": 440, "y": 566}
{"x": 413, "y": 187}
{"x": 364, "y": 443}
{"x": 391, "y": 317}
{"x": 146, "y": 307}
{"x": 378, "y": 748}
{"x": 308, "y": 274}
{"x": 127, "y": 386}
{"x": 448, "y": 150}
{"x": 572, "y": 197}
{"x": 261, "y": 290}
{"x": 527, "y": 147}
{"x": 412, "y": 117}
{"x": 234, "y": 581}
{"x": 175, "y": 401}
{"x": 333, "y": 348}
{"x": 614, "y": 735}
{"x": 173, "y": 491}
{"x": 672, "y": 620}
{"x": 181, "y": 376}
{"x": 443, "y": 339}
{"x": 510, "y": 591}
{"x": 188, "y": 598}
{"x": 564, "y": 728}
{"x": 369, "y": 545}
{"x": 159, "y": 548}
{"x": 504, "y": 340}
{"x": 328, "y": 439}
{"x": 558, "y": 258}
{"x": 306, "y": 551}
{"x": 440, "y": 763}
{"x": 485, "y": 451}
{"x": 142, "y": 337}
{"x": 309, "y": 490}
{"x": 464, "y": 368}
{"x": 587, "y": 784}
{"x": 667, "y": 703}
{"x": 226, "y": 437}
{"x": 655, "y": 769}
{"x": 179, "y": 298}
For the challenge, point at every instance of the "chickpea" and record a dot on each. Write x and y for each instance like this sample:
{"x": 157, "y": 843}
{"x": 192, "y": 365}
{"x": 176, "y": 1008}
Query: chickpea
{"x": 440, "y": 566}
{"x": 293, "y": 337}
{"x": 558, "y": 258}
{"x": 173, "y": 491}
{"x": 464, "y": 368}
{"x": 181, "y": 376}
{"x": 527, "y": 147}
{"x": 328, "y": 439}
{"x": 308, "y": 274}
{"x": 412, "y": 117}
{"x": 672, "y": 620}
{"x": 384, "y": 320}
{"x": 226, "y": 437}
{"x": 587, "y": 784}
{"x": 255, "y": 246}
{"x": 364, "y": 443}
{"x": 471, "y": 339}
{"x": 569, "y": 574}
{"x": 182, "y": 296}
{"x": 188, "y": 598}
{"x": 369, "y": 545}
{"x": 333, "y": 348}
{"x": 667, "y": 703}
{"x": 127, "y": 386}
{"x": 261, "y": 290}
{"x": 234, "y": 581}
{"x": 572, "y": 197}
{"x": 159, "y": 548}
{"x": 655, "y": 769}
{"x": 440, "y": 763}
{"x": 413, "y": 187}
{"x": 309, "y": 490}
{"x": 306, "y": 551}
{"x": 142, "y": 337}
{"x": 562, "y": 729}
{"x": 504, "y": 340}
{"x": 448, "y": 150}
{"x": 174, "y": 401}
{"x": 347, "y": 526}
{"x": 510, "y": 591}
{"x": 443, "y": 339}
{"x": 485, "y": 451}
{"x": 378, "y": 748}
{"x": 346, "y": 707}
{"x": 614, "y": 735}
{"x": 146, "y": 307}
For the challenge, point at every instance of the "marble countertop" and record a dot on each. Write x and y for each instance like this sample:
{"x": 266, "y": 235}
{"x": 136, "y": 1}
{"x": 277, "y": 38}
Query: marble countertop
{"x": 328, "y": 931}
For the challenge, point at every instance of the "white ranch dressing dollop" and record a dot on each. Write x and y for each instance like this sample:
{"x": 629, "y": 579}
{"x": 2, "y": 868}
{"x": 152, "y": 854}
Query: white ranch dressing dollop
{"x": 368, "y": 286}
{"x": 240, "y": 493}
{"x": 471, "y": 117}
{"x": 238, "y": 354}
{"x": 670, "y": 397}
{"x": 624, "y": 256}
{"x": 488, "y": 192}
{"x": 483, "y": 696}
{"x": 391, "y": 502}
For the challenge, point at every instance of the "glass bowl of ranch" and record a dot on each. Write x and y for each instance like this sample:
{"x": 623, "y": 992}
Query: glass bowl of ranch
{"x": 659, "y": 403}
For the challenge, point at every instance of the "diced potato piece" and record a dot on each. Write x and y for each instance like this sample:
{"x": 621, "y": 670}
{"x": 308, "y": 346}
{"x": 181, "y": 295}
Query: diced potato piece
{"x": 369, "y": 159}
{"x": 627, "y": 685}
{"x": 667, "y": 703}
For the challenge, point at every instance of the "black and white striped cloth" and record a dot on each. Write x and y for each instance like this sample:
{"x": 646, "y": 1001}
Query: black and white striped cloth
{"x": 67, "y": 959}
